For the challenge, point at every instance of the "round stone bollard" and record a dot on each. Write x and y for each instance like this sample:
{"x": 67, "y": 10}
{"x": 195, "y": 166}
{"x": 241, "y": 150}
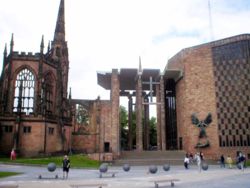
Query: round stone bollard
{"x": 204, "y": 166}
{"x": 126, "y": 167}
{"x": 51, "y": 167}
{"x": 152, "y": 169}
{"x": 103, "y": 168}
{"x": 166, "y": 167}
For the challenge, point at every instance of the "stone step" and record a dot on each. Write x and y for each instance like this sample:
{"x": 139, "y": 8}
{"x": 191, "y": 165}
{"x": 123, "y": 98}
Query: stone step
{"x": 142, "y": 162}
{"x": 173, "y": 157}
{"x": 179, "y": 154}
{"x": 160, "y": 162}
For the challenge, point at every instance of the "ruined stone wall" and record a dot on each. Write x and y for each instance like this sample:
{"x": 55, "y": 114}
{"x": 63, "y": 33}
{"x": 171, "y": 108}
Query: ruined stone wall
{"x": 32, "y": 142}
{"x": 105, "y": 126}
{"x": 97, "y": 132}
{"x": 84, "y": 143}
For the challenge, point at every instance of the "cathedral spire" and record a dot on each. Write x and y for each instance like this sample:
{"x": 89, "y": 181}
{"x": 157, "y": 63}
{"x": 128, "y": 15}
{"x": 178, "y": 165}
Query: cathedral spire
{"x": 70, "y": 93}
{"x": 5, "y": 51}
{"x": 60, "y": 27}
{"x": 140, "y": 69}
{"x": 4, "y": 59}
{"x": 42, "y": 45}
{"x": 12, "y": 43}
{"x": 48, "y": 48}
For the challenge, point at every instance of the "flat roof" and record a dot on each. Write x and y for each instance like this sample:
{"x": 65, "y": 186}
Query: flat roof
{"x": 128, "y": 78}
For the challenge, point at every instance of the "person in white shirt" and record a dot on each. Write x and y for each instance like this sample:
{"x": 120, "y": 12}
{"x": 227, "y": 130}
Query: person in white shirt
{"x": 186, "y": 161}
{"x": 198, "y": 161}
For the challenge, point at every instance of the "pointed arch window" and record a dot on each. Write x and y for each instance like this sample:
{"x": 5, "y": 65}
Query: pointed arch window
{"x": 47, "y": 92}
{"x": 24, "y": 92}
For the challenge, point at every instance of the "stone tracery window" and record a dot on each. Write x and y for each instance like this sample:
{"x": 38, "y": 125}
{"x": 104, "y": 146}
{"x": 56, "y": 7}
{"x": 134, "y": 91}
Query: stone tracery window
{"x": 82, "y": 119}
{"x": 24, "y": 92}
{"x": 47, "y": 91}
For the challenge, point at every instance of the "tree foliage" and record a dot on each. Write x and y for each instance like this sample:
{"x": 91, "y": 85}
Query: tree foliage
{"x": 125, "y": 129}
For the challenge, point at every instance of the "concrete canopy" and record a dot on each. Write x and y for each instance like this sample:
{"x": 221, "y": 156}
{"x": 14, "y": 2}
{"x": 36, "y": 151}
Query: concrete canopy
{"x": 128, "y": 78}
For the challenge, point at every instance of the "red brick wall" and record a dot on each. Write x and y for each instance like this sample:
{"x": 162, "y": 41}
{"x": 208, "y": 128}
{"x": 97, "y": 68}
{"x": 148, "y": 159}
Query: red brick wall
{"x": 84, "y": 143}
{"x": 6, "y": 139}
{"x": 105, "y": 125}
{"x": 195, "y": 93}
{"x": 32, "y": 144}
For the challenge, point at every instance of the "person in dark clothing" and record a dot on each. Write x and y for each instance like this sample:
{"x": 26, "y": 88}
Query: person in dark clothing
{"x": 66, "y": 166}
{"x": 201, "y": 156}
{"x": 222, "y": 161}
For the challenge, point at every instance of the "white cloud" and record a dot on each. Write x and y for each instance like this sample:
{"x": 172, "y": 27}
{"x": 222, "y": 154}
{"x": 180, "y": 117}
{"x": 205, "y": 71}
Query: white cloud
{"x": 110, "y": 34}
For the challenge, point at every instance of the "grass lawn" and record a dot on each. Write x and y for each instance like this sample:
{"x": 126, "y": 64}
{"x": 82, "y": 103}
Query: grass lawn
{"x": 6, "y": 174}
{"x": 75, "y": 161}
{"x": 248, "y": 163}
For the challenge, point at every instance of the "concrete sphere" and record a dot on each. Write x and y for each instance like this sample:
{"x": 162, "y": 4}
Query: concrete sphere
{"x": 103, "y": 168}
{"x": 166, "y": 167}
{"x": 204, "y": 166}
{"x": 152, "y": 169}
{"x": 51, "y": 167}
{"x": 126, "y": 167}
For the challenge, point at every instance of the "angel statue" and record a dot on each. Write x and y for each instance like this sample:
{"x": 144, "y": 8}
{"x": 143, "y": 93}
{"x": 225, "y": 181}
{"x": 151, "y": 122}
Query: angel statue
{"x": 202, "y": 125}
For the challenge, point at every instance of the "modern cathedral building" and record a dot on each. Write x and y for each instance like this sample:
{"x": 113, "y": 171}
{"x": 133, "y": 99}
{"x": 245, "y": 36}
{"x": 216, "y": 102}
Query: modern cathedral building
{"x": 201, "y": 99}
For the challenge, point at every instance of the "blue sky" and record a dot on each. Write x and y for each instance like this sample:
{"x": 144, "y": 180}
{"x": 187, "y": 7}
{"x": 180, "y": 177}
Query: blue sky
{"x": 110, "y": 34}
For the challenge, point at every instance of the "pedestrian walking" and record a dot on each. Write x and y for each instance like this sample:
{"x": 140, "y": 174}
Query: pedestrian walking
{"x": 229, "y": 161}
{"x": 186, "y": 161}
{"x": 66, "y": 166}
{"x": 13, "y": 154}
{"x": 198, "y": 161}
{"x": 201, "y": 156}
{"x": 222, "y": 161}
{"x": 241, "y": 161}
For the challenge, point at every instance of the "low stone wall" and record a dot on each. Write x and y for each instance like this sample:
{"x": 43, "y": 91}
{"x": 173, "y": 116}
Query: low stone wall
{"x": 106, "y": 157}
{"x": 84, "y": 143}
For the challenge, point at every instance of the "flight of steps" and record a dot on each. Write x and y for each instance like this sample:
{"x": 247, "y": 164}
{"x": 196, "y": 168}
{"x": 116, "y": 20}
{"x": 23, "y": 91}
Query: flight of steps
{"x": 173, "y": 157}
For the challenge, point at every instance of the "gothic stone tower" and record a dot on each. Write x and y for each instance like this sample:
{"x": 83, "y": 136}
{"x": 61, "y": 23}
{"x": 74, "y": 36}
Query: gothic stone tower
{"x": 34, "y": 109}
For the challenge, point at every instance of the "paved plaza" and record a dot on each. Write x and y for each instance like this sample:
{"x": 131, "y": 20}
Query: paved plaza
{"x": 137, "y": 177}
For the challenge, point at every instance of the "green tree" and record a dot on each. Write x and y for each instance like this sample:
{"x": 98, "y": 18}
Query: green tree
{"x": 82, "y": 119}
{"x": 124, "y": 127}
{"x": 153, "y": 133}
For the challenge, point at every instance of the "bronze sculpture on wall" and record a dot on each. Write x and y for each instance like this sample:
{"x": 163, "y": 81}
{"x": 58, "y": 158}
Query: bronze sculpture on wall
{"x": 203, "y": 141}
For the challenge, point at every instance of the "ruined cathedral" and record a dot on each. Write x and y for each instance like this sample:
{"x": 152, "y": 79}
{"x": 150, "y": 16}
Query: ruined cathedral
{"x": 35, "y": 112}
{"x": 201, "y": 99}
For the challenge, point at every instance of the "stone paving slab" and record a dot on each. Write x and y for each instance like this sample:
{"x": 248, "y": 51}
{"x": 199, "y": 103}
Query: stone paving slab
{"x": 137, "y": 177}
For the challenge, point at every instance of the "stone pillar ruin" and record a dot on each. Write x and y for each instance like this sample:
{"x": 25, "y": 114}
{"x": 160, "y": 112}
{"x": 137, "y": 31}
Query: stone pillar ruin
{"x": 158, "y": 114}
{"x": 163, "y": 124}
{"x": 115, "y": 117}
{"x": 146, "y": 125}
{"x": 139, "y": 114}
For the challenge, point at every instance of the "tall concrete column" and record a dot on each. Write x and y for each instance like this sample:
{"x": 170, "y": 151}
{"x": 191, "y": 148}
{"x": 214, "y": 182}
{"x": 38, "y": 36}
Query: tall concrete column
{"x": 158, "y": 114}
{"x": 130, "y": 112}
{"x": 139, "y": 114}
{"x": 115, "y": 117}
{"x": 146, "y": 129}
{"x": 163, "y": 122}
